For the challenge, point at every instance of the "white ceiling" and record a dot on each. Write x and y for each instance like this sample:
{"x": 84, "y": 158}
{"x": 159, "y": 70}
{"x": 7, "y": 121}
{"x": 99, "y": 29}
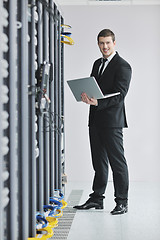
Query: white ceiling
{"x": 106, "y": 2}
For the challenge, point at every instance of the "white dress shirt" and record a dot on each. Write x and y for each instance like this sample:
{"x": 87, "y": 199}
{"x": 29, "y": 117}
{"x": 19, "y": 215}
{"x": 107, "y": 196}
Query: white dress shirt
{"x": 106, "y": 63}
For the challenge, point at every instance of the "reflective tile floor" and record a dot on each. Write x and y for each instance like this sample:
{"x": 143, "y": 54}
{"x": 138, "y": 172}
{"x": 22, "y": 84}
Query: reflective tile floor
{"x": 142, "y": 222}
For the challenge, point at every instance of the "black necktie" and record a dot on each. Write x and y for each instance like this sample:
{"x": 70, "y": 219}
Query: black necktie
{"x": 101, "y": 69}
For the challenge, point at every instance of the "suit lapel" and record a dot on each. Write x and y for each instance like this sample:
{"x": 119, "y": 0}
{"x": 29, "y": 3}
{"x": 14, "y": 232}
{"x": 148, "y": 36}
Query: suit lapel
{"x": 96, "y": 69}
{"x": 110, "y": 65}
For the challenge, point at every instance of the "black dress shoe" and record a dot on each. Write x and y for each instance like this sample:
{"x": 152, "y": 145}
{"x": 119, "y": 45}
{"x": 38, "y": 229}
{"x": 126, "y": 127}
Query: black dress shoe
{"x": 89, "y": 204}
{"x": 120, "y": 209}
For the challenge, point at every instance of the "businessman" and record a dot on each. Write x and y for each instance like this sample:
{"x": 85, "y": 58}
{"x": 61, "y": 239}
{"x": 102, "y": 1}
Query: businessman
{"x": 107, "y": 119}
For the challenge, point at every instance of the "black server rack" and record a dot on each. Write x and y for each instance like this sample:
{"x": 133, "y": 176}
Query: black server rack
{"x": 32, "y": 131}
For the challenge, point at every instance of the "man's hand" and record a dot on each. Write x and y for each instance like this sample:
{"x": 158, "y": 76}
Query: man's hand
{"x": 88, "y": 100}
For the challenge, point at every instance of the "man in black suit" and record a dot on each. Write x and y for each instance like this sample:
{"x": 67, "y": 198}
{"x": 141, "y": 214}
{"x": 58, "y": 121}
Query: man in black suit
{"x": 107, "y": 119}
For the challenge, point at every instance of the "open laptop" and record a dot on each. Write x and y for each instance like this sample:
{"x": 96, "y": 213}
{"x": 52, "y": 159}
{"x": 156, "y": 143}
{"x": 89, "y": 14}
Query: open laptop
{"x": 89, "y": 86}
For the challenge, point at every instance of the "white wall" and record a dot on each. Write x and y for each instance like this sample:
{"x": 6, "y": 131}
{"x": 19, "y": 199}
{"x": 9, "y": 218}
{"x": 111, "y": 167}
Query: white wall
{"x": 137, "y": 30}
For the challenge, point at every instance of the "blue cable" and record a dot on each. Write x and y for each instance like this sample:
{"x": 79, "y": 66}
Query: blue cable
{"x": 41, "y": 217}
{"x": 66, "y": 34}
{"x": 60, "y": 194}
{"x": 52, "y": 208}
{"x": 58, "y": 203}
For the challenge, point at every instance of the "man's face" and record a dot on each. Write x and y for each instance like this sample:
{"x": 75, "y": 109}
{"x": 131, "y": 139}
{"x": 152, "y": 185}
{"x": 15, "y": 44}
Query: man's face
{"x": 106, "y": 46}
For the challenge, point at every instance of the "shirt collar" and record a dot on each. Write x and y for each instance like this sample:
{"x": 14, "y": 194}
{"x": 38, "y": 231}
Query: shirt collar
{"x": 110, "y": 57}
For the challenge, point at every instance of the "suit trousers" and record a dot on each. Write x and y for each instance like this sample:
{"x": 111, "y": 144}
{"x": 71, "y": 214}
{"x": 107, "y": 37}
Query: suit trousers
{"x": 107, "y": 148}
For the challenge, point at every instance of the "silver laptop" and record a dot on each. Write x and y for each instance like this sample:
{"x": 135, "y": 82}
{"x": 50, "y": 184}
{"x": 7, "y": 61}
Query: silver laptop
{"x": 89, "y": 86}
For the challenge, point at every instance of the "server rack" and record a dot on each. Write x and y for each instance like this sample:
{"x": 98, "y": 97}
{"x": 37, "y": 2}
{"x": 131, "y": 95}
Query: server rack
{"x": 32, "y": 113}
{"x": 32, "y": 116}
{"x": 12, "y": 158}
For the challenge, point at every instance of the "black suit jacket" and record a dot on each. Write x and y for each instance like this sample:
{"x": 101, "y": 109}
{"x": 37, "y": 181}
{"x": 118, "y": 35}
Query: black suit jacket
{"x": 116, "y": 77}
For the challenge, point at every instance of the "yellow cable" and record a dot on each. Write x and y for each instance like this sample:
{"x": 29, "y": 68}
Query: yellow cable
{"x": 59, "y": 214}
{"x": 49, "y": 233}
{"x": 66, "y": 26}
{"x": 53, "y": 222}
{"x": 70, "y": 40}
{"x": 64, "y": 204}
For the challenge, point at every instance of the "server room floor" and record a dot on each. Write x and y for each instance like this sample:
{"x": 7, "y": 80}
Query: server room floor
{"x": 141, "y": 222}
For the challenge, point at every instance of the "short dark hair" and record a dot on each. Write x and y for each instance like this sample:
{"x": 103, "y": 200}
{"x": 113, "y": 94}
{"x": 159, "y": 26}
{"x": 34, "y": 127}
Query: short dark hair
{"x": 106, "y": 33}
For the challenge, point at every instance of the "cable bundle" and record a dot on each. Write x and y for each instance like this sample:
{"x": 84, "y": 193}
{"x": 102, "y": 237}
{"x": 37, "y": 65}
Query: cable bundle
{"x": 49, "y": 219}
{"x": 66, "y": 35}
